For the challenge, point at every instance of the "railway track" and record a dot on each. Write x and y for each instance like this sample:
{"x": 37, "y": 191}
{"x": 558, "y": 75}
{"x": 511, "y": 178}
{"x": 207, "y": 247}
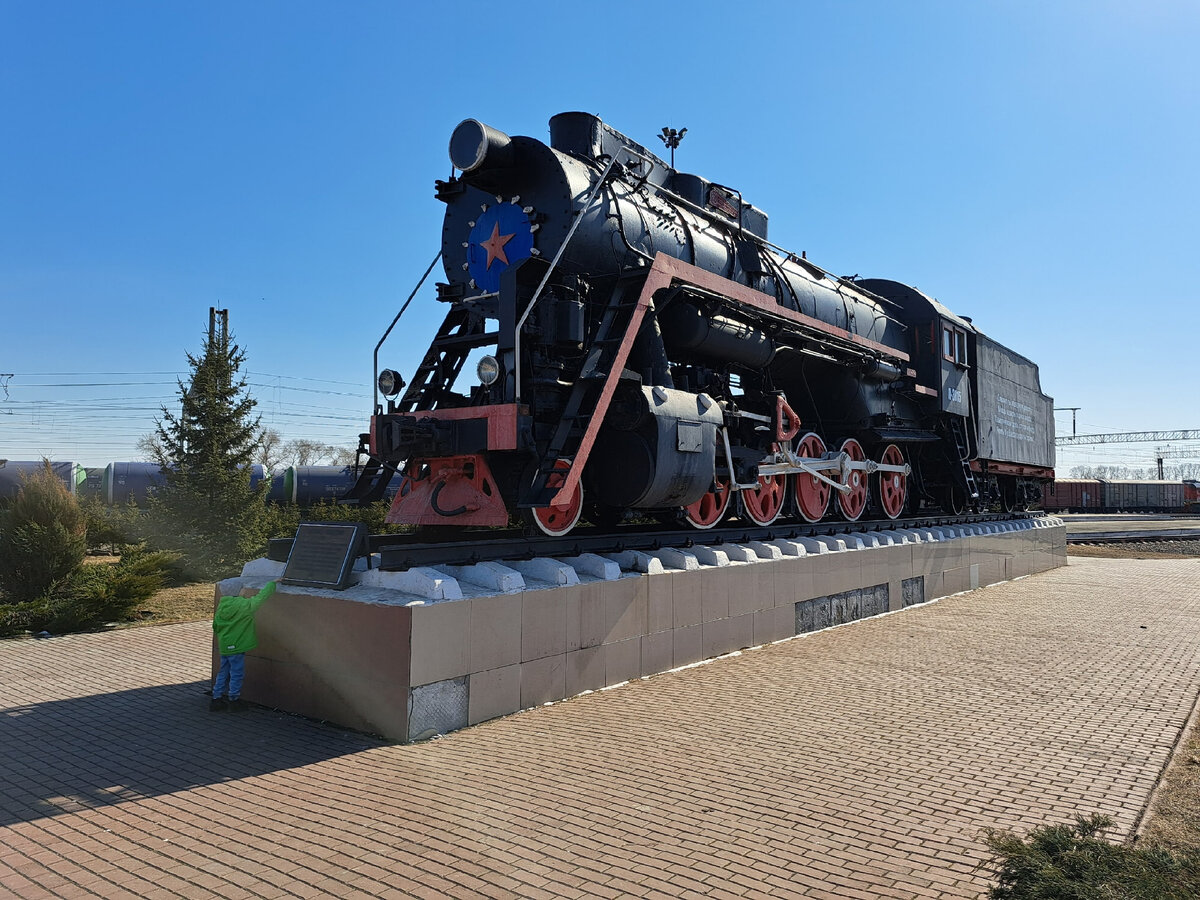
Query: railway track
{"x": 1138, "y": 537}
{"x": 461, "y": 548}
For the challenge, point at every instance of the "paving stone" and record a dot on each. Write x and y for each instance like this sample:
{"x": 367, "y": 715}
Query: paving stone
{"x": 854, "y": 762}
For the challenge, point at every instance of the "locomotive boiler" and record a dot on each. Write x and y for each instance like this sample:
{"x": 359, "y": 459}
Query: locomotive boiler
{"x": 622, "y": 338}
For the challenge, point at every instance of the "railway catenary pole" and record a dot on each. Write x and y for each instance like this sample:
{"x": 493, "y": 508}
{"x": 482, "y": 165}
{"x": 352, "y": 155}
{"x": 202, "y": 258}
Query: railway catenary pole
{"x": 1073, "y": 410}
{"x": 1128, "y": 437}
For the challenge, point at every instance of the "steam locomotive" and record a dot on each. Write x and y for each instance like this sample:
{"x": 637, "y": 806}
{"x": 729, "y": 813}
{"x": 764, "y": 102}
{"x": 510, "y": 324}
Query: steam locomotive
{"x": 641, "y": 348}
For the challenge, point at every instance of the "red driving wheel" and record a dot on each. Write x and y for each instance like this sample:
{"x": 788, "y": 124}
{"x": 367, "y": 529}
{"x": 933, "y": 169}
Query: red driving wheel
{"x": 763, "y": 504}
{"x": 812, "y": 494}
{"x": 893, "y": 486}
{"x": 711, "y": 508}
{"x": 555, "y": 521}
{"x": 854, "y": 501}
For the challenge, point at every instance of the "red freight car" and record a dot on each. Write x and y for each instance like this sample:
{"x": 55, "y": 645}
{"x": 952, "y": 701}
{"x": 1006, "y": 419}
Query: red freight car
{"x": 1191, "y": 496}
{"x": 1073, "y": 495}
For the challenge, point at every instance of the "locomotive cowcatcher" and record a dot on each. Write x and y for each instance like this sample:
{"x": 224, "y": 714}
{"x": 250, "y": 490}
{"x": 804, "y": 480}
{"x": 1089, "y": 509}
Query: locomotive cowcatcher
{"x": 640, "y": 348}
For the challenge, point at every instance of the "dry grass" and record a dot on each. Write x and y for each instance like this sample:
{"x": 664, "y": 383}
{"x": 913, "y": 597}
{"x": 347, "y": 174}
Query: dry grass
{"x": 1175, "y": 822}
{"x": 170, "y": 606}
{"x": 189, "y": 603}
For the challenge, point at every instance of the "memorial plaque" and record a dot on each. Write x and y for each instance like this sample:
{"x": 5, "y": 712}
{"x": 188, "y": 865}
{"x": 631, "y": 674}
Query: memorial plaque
{"x": 323, "y": 554}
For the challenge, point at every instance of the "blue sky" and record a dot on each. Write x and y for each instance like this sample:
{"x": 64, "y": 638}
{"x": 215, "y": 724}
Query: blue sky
{"x": 1030, "y": 164}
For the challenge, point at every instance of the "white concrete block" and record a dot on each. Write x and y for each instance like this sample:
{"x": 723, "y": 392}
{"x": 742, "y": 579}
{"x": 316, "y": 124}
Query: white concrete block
{"x": 263, "y": 568}
{"x": 833, "y": 543}
{"x": 490, "y": 575}
{"x": 740, "y": 553}
{"x": 790, "y": 548}
{"x": 637, "y": 561}
{"x": 596, "y": 566}
{"x": 423, "y": 581}
{"x": 710, "y": 556}
{"x": 812, "y": 545}
{"x": 765, "y": 551}
{"x": 675, "y": 558}
{"x": 543, "y": 569}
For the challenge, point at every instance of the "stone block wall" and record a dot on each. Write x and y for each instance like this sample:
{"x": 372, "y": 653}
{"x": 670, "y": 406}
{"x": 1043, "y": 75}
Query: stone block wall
{"x": 413, "y": 654}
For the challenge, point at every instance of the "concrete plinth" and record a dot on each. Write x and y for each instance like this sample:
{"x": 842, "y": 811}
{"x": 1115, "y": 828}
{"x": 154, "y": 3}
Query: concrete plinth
{"x": 410, "y": 655}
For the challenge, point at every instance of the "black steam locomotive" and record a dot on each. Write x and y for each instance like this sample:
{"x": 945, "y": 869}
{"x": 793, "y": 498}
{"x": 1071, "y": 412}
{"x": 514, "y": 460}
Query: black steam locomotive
{"x": 640, "y": 346}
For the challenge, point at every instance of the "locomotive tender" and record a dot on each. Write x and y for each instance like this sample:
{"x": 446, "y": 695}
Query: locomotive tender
{"x": 642, "y": 347}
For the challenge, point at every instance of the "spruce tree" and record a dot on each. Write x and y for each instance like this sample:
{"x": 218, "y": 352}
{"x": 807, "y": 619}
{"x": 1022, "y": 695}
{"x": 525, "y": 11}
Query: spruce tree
{"x": 206, "y": 509}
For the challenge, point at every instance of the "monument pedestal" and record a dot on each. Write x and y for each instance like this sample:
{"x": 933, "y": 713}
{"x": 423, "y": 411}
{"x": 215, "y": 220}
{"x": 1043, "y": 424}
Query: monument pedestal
{"x": 408, "y": 655}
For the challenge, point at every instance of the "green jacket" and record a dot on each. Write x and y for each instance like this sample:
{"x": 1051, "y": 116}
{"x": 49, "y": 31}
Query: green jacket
{"x": 234, "y": 621}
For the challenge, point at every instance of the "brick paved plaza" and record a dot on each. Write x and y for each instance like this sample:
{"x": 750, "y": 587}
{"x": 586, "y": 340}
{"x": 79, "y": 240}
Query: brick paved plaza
{"x": 851, "y": 763}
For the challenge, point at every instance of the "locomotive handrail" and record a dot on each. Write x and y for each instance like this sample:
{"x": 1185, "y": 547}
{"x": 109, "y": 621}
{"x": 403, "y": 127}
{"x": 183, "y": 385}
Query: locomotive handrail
{"x": 375, "y": 363}
{"x": 612, "y": 161}
{"x": 783, "y": 251}
{"x": 545, "y": 278}
{"x": 840, "y": 282}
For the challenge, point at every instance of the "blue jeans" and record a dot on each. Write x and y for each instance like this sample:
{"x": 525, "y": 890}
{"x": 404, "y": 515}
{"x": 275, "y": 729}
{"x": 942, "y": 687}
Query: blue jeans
{"x": 232, "y": 671}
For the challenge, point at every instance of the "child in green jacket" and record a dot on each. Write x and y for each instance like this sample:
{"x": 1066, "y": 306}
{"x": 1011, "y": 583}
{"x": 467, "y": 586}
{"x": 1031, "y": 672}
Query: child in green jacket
{"x": 234, "y": 627}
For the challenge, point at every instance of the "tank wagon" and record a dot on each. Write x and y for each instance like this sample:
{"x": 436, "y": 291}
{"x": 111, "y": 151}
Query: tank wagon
{"x": 641, "y": 346}
{"x": 13, "y": 472}
{"x": 124, "y": 482}
{"x": 307, "y": 485}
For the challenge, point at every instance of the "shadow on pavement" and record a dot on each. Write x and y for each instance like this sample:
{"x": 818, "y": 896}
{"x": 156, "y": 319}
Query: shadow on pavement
{"x": 87, "y": 752}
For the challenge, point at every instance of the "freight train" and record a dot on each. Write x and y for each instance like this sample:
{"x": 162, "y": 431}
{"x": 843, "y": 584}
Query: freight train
{"x": 641, "y": 348}
{"x": 122, "y": 482}
{"x": 1121, "y": 495}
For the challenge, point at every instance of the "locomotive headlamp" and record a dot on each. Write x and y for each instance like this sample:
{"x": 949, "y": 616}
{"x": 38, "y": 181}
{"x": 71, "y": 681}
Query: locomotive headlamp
{"x": 488, "y": 370}
{"x": 390, "y": 382}
{"x": 473, "y": 143}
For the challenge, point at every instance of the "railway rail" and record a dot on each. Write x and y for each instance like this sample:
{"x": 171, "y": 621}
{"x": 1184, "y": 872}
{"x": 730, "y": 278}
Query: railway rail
{"x": 1131, "y": 537}
{"x": 398, "y": 552}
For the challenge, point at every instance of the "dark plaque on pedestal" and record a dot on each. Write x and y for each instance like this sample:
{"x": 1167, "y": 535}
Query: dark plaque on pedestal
{"x": 323, "y": 554}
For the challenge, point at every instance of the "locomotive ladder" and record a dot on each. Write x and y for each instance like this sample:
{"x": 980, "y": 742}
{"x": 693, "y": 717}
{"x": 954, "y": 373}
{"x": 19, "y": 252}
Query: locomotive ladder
{"x": 371, "y": 482}
{"x": 959, "y": 432}
{"x": 459, "y": 334}
{"x": 610, "y": 348}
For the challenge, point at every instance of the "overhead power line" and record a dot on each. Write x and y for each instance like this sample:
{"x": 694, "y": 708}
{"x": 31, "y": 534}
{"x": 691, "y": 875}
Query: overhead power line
{"x": 1127, "y": 437}
{"x": 176, "y": 373}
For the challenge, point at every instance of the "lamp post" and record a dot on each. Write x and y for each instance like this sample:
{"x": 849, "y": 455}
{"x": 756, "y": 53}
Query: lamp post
{"x": 671, "y": 138}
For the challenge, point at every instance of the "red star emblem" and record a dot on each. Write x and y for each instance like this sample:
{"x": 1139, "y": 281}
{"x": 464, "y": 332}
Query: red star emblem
{"x": 495, "y": 245}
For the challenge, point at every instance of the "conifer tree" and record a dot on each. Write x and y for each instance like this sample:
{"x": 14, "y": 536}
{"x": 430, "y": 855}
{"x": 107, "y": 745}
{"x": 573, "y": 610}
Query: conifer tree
{"x": 207, "y": 508}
